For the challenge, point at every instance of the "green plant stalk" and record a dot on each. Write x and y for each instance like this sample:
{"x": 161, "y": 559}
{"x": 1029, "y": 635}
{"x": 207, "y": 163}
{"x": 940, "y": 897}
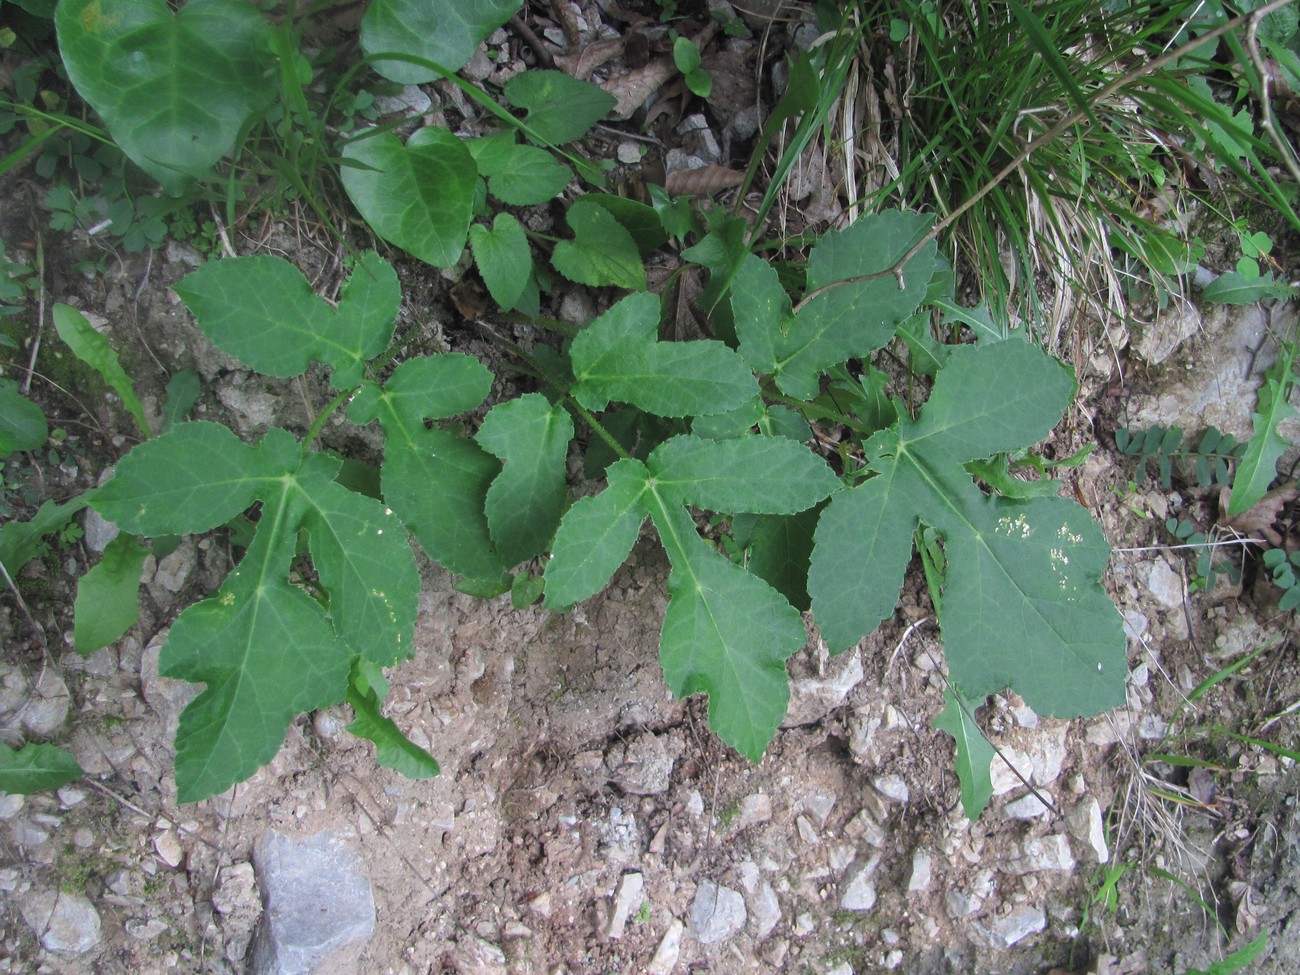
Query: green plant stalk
{"x": 597, "y": 427}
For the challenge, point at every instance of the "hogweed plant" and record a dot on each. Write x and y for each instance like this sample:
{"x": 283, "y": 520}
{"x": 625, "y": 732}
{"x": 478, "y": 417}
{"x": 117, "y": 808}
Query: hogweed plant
{"x": 681, "y": 432}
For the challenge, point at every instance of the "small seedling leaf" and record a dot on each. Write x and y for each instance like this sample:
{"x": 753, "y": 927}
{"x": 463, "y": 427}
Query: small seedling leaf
{"x": 419, "y": 196}
{"x": 108, "y": 602}
{"x": 1258, "y": 465}
{"x": 20, "y": 541}
{"x": 519, "y": 175}
{"x": 22, "y": 424}
{"x": 34, "y": 768}
{"x": 393, "y": 749}
{"x": 175, "y": 88}
{"x": 974, "y": 753}
{"x": 93, "y": 349}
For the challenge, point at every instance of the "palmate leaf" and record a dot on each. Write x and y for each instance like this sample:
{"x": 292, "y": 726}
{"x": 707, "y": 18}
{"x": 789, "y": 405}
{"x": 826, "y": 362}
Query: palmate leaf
{"x": 526, "y": 500}
{"x": 618, "y": 357}
{"x": 264, "y": 648}
{"x": 175, "y": 88}
{"x": 849, "y": 320}
{"x": 436, "y": 481}
{"x": 418, "y": 196}
{"x": 974, "y": 753}
{"x": 262, "y": 311}
{"x": 446, "y": 32}
{"x": 1022, "y": 605}
{"x": 726, "y": 631}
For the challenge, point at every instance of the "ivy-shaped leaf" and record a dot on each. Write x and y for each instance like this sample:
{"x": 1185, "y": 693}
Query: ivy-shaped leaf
{"x": 601, "y": 253}
{"x": 852, "y": 319}
{"x": 419, "y": 196}
{"x": 446, "y": 32}
{"x": 559, "y": 108}
{"x": 1022, "y": 606}
{"x": 526, "y": 500}
{"x": 394, "y": 750}
{"x": 436, "y": 481}
{"x": 264, "y": 648}
{"x": 503, "y": 258}
{"x": 618, "y": 357}
{"x": 175, "y": 88}
{"x": 262, "y": 311}
{"x": 974, "y": 753}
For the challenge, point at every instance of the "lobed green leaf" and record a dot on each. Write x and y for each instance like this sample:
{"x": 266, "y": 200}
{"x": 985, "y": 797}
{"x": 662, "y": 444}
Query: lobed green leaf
{"x": 262, "y": 311}
{"x": 524, "y": 504}
{"x": 764, "y": 475}
{"x": 596, "y": 535}
{"x": 392, "y": 748}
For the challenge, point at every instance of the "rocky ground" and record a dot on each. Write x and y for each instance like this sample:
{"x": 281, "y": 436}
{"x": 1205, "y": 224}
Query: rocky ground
{"x": 585, "y": 822}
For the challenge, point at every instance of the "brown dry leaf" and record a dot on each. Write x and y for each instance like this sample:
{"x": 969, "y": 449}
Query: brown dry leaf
{"x": 733, "y": 82}
{"x": 582, "y": 63}
{"x": 470, "y": 299}
{"x": 706, "y": 179}
{"x": 633, "y": 88}
{"x": 1260, "y": 519}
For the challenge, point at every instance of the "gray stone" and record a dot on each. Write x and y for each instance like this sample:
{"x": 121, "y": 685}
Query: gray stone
{"x": 175, "y": 569}
{"x": 411, "y": 100}
{"x": 47, "y": 707}
{"x": 318, "y": 909}
{"x": 1019, "y": 924}
{"x": 1173, "y": 325}
{"x": 1028, "y": 806}
{"x": 811, "y": 699}
{"x": 892, "y": 787}
{"x": 11, "y": 804}
{"x": 27, "y": 833}
{"x": 166, "y": 696}
{"x": 755, "y": 810}
{"x": 859, "y": 892}
{"x": 1086, "y": 825}
{"x": 1165, "y": 585}
{"x": 97, "y": 531}
{"x": 764, "y": 910}
{"x": 1041, "y": 853}
{"x": 818, "y": 806}
{"x": 717, "y": 913}
{"x": 922, "y": 870}
{"x": 644, "y": 767}
{"x": 627, "y": 898}
{"x": 670, "y": 947}
{"x": 64, "y": 923}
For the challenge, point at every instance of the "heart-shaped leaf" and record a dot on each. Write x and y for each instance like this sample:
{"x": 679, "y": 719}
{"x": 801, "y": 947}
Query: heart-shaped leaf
{"x": 503, "y": 258}
{"x": 601, "y": 251}
{"x": 560, "y": 109}
{"x": 446, "y": 32}
{"x": 419, "y": 196}
{"x": 519, "y": 175}
{"x": 175, "y": 88}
